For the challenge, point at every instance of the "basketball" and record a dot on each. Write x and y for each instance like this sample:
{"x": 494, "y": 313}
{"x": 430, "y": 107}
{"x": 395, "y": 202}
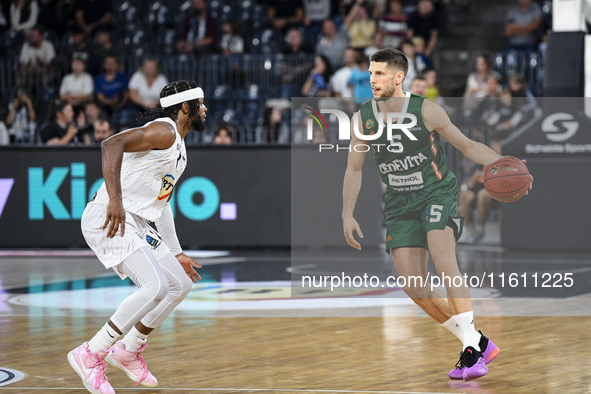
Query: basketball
{"x": 506, "y": 179}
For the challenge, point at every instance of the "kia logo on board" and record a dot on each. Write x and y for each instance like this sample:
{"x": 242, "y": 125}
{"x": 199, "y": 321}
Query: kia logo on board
{"x": 554, "y": 132}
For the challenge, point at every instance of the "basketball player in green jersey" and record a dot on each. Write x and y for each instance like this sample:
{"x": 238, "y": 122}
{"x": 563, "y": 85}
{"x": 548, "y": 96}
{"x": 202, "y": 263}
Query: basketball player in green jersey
{"x": 421, "y": 200}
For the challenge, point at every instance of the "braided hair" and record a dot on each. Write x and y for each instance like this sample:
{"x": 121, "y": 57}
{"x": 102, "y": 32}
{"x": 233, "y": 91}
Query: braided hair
{"x": 172, "y": 111}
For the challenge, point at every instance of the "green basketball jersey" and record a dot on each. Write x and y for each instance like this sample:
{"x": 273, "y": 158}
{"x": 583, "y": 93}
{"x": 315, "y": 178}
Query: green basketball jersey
{"x": 405, "y": 165}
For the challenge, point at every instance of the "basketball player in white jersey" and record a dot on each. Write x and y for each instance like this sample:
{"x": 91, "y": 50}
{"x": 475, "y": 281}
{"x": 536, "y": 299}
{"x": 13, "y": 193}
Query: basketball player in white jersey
{"x": 140, "y": 167}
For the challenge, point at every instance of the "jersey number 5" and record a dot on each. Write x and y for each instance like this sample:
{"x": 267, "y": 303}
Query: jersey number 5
{"x": 396, "y": 146}
{"x": 435, "y": 213}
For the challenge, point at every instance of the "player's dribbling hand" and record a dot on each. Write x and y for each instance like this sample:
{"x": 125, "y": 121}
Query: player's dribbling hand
{"x": 350, "y": 224}
{"x": 189, "y": 266}
{"x": 531, "y": 182}
{"x": 116, "y": 216}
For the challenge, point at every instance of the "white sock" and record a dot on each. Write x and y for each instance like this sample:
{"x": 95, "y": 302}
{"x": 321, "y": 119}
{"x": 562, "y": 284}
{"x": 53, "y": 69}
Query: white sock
{"x": 468, "y": 335}
{"x": 453, "y": 327}
{"x": 104, "y": 339}
{"x": 134, "y": 340}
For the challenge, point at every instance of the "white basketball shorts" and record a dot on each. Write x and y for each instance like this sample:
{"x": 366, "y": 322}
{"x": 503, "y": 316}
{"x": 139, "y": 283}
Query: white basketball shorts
{"x": 113, "y": 251}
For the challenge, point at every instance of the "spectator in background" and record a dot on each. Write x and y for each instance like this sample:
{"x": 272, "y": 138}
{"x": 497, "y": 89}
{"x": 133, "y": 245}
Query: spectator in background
{"x": 36, "y": 56}
{"x": 21, "y": 117}
{"x": 316, "y": 11}
{"x": 232, "y": 43}
{"x": 415, "y": 64}
{"x": 361, "y": 28}
{"x": 487, "y": 111}
{"x": 145, "y": 85}
{"x": 66, "y": 15}
{"x": 433, "y": 92}
{"x": 4, "y": 136}
{"x": 473, "y": 194}
{"x": 224, "y": 134}
{"x": 493, "y": 84}
{"x": 85, "y": 119}
{"x": 359, "y": 80}
{"x": 284, "y": 14}
{"x": 23, "y": 15}
{"x": 77, "y": 87}
{"x": 111, "y": 86}
{"x": 316, "y": 84}
{"x": 199, "y": 31}
{"x": 295, "y": 43}
{"x": 94, "y": 15}
{"x": 476, "y": 83}
{"x": 3, "y": 21}
{"x": 60, "y": 128}
{"x": 104, "y": 47}
{"x": 48, "y": 15}
{"x": 524, "y": 97}
{"x": 378, "y": 43}
{"x": 419, "y": 44}
{"x": 522, "y": 26}
{"x": 339, "y": 83}
{"x": 319, "y": 136}
{"x": 333, "y": 43}
{"x": 274, "y": 129}
{"x": 101, "y": 130}
{"x": 79, "y": 48}
{"x": 425, "y": 23}
{"x": 419, "y": 86}
{"x": 393, "y": 24}
{"x": 507, "y": 117}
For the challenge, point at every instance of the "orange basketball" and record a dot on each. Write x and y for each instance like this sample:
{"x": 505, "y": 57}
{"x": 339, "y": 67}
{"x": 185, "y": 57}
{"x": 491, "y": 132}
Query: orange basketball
{"x": 506, "y": 179}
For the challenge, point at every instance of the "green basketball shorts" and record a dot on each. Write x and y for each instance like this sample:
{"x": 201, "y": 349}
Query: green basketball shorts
{"x": 410, "y": 216}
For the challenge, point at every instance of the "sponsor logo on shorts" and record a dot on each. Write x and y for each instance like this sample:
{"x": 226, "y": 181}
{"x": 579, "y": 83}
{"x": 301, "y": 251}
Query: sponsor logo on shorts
{"x": 416, "y": 178}
{"x": 152, "y": 241}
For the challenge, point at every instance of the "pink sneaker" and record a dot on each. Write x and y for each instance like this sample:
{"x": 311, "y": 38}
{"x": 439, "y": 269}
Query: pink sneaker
{"x": 133, "y": 364}
{"x": 91, "y": 368}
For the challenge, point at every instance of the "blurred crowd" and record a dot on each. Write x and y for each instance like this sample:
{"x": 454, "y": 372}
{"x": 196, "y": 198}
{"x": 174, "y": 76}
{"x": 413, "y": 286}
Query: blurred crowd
{"x": 71, "y": 84}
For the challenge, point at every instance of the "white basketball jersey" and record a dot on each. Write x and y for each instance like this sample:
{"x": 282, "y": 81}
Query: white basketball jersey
{"x": 148, "y": 177}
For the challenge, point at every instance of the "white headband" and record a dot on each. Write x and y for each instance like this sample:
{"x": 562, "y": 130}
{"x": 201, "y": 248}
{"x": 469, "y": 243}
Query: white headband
{"x": 181, "y": 97}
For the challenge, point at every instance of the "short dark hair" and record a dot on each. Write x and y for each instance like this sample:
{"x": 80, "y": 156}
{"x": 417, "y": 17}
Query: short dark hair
{"x": 104, "y": 118}
{"x": 224, "y": 126}
{"x": 419, "y": 78}
{"x": 39, "y": 28}
{"x": 393, "y": 57}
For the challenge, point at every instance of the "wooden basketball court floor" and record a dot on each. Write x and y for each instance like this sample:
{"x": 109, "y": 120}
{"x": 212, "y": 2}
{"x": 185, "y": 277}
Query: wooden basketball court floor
{"x": 239, "y": 332}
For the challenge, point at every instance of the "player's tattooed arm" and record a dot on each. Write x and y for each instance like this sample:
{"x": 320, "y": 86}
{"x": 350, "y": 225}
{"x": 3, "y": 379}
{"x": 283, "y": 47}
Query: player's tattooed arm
{"x": 351, "y": 187}
{"x": 156, "y": 135}
{"x": 436, "y": 119}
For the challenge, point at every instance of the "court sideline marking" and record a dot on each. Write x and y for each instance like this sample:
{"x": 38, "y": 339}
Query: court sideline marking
{"x": 230, "y": 389}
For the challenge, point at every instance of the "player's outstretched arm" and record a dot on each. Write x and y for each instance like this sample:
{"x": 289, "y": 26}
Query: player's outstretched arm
{"x": 157, "y": 135}
{"x": 351, "y": 187}
{"x": 436, "y": 119}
